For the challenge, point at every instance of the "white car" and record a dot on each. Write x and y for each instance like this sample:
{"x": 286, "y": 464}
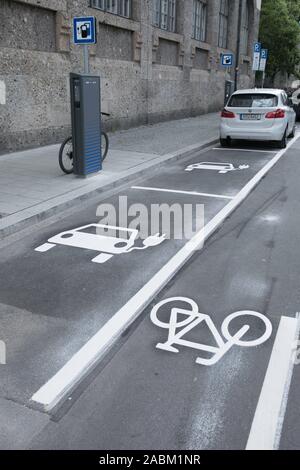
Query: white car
{"x": 263, "y": 114}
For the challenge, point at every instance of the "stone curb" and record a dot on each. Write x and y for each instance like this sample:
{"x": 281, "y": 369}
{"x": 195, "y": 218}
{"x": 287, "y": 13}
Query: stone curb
{"x": 23, "y": 219}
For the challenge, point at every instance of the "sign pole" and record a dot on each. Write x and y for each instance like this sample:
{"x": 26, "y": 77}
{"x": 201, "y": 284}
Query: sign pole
{"x": 86, "y": 60}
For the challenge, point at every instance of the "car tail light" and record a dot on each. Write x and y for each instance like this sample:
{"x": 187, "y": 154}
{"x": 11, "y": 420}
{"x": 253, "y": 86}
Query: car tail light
{"x": 278, "y": 114}
{"x": 227, "y": 114}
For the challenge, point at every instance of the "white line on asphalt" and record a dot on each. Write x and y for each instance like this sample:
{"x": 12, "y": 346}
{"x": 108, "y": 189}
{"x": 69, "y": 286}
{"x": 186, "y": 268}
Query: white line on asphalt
{"x": 44, "y": 247}
{"x": 268, "y": 419}
{"x": 89, "y": 355}
{"x": 189, "y": 193}
{"x": 244, "y": 150}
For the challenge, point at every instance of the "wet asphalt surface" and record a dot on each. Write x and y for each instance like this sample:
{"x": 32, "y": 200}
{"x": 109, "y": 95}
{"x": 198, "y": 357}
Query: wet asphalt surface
{"x": 51, "y": 303}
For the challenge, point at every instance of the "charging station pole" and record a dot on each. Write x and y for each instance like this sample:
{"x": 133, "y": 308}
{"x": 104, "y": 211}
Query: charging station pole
{"x": 86, "y": 59}
{"x": 85, "y": 104}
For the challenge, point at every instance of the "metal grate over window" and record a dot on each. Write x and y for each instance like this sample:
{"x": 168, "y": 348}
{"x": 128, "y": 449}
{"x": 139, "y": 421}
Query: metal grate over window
{"x": 245, "y": 30}
{"x": 117, "y": 7}
{"x": 223, "y": 23}
{"x": 164, "y": 14}
{"x": 199, "y": 20}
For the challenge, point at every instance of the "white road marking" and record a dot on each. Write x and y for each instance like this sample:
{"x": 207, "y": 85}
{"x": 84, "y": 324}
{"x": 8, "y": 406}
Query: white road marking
{"x": 89, "y": 355}
{"x": 98, "y": 240}
{"x": 195, "y": 318}
{"x": 221, "y": 168}
{"x": 44, "y": 247}
{"x": 2, "y": 92}
{"x": 189, "y": 193}
{"x": 268, "y": 419}
{"x": 244, "y": 150}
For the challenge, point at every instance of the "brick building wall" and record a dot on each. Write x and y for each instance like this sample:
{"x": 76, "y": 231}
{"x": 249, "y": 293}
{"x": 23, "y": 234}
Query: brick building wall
{"x": 148, "y": 73}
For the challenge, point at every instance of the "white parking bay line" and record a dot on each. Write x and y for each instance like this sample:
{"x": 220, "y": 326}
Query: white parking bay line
{"x": 95, "y": 349}
{"x": 44, "y": 247}
{"x": 189, "y": 193}
{"x": 244, "y": 150}
{"x": 268, "y": 419}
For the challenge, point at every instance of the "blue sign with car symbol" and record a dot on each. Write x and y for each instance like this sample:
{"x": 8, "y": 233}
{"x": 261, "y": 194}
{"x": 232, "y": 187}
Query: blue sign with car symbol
{"x": 84, "y": 30}
{"x": 227, "y": 60}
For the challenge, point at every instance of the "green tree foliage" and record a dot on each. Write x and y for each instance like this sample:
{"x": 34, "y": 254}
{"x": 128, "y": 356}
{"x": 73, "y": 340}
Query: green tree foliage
{"x": 294, "y": 9}
{"x": 280, "y": 33}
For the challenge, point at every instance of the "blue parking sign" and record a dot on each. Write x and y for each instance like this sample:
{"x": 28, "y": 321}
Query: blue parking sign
{"x": 84, "y": 30}
{"x": 264, "y": 54}
{"x": 257, "y": 47}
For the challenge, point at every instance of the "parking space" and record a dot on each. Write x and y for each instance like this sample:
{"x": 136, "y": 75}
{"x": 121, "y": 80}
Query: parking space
{"x": 159, "y": 391}
{"x": 76, "y": 293}
{"x": 216, "y": 172}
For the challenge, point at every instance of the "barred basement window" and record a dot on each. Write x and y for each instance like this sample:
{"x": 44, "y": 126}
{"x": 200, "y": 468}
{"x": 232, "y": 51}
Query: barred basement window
{"x": 223, "y": 23}
{"x": 117, "y": 7}
{"x": 199, "y": 20}
{"x": 245, "y": 30}
{"x": 164, "y": 14}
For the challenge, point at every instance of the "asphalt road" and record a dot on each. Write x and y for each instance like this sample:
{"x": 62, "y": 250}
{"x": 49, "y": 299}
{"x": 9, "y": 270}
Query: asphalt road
{"x": 52, "y": 303}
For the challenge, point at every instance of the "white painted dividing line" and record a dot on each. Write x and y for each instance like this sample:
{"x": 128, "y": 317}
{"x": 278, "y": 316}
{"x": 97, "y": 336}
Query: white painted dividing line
{"x": 244, "y": 150}
{"x": 44, "y": 247}
{"x": 267, "y": 423}
{"x": 189, "y": 193}
{"x": 95, "y": 349}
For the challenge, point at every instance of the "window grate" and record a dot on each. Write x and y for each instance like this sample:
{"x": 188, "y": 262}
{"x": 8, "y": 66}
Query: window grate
{"x": 164, "y": 14}
{"x": 117, "y": 7}
{"x": 245, "y": 30}
{"x": 223, "y": 23}
{"x": 199, "y": 20}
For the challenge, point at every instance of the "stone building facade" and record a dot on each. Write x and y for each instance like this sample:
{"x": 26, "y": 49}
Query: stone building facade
{"x": 158, "y": 60}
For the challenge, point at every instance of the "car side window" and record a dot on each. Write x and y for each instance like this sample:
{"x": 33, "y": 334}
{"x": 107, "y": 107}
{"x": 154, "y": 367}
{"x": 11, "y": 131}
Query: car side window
{"x": 284, "y": 98}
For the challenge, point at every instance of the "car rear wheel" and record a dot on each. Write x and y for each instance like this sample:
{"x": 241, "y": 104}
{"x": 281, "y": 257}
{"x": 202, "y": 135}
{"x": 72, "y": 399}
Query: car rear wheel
{"x": 283, "y": 142}
{"x": 225, "y": 142}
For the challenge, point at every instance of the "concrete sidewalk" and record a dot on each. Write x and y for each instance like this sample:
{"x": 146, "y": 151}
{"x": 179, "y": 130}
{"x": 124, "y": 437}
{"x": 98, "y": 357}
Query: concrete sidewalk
{"x": 32, "y": 186}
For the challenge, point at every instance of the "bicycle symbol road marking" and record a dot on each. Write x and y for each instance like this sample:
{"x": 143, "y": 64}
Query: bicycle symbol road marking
{"x": 194, "y": 318}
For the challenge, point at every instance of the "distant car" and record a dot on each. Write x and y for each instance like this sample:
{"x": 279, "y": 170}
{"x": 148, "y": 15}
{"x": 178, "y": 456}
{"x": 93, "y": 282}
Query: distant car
{"x": 258, "y": 114}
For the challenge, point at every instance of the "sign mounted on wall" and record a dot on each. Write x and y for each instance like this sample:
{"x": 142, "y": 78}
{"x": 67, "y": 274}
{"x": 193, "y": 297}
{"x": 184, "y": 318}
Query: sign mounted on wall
{"x": 84, "y": 30}
{"x": 227, "y": 60}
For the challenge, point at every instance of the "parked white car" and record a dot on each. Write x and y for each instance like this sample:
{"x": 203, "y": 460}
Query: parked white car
{"x": 263, "y": 114}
